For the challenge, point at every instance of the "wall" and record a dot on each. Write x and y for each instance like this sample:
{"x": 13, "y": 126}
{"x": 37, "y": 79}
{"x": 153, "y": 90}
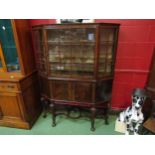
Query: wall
{"x": 134, "y": 52}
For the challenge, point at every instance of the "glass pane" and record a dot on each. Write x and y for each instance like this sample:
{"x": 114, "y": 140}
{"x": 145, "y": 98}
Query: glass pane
{"x": 83, "y": 60}
{"x": 39, "y": 51}
{"x": 8, "y": 45}
{"x": 106, "y": 52}
{"x": 60, "y": 60}
{"x": 107, "y": 34}
{"x": 105, "y": 60}
{"x": 70, "y": 35}
{"x": 71, "y": 52}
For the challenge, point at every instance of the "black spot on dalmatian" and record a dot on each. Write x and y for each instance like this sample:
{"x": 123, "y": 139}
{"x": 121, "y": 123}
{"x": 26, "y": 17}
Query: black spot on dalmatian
{"x": 127, "y": 117}
{"x": 141, "y": 102}
{"x": 128, "y": 126}
{"x": 137, "y": 114}
{"x": 134, "y": 100}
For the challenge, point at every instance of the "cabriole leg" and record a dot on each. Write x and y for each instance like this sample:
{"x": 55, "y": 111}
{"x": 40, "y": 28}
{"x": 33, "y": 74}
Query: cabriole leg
{"x": 93, "y": 115}
{"x": 53, "y": 110}
{"x": 45, "y": 105}
{"x": 106, "y": 116}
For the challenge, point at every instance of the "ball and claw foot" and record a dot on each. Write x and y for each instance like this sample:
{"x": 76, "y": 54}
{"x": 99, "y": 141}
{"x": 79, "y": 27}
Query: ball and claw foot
{"x": 106, "y": 122}
{"x": 44, "y": 115}
{"x": 92, "y": 129}
{"x": 53, "y": 124}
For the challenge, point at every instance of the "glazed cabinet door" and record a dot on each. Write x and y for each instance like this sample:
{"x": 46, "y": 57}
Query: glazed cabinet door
{"x": 71, "y": 52}
{"x": 10, "y": 106}
{"x": 108, "y": 39}
{"x": 8, "y": 45}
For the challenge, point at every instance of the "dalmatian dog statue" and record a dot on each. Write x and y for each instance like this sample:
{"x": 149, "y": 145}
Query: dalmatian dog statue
{"x": 133, "y": 116}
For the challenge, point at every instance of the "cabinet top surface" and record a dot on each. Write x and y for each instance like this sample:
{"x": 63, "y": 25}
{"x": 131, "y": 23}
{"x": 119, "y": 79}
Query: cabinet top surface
{"x": 76, "y": 24}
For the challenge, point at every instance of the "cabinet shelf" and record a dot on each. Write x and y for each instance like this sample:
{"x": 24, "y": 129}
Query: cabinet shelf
{"x": 70, "y": 43}
{"x": 57, "y": 62}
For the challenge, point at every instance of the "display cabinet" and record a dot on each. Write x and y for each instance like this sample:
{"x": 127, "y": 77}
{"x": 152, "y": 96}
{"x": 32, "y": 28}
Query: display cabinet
{"x": 76, "y": 65}
{"x": 19, "y": 92}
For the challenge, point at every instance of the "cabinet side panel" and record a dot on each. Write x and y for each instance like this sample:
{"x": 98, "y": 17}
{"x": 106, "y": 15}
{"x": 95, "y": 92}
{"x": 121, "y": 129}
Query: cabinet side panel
{"x": 31, "y": 98}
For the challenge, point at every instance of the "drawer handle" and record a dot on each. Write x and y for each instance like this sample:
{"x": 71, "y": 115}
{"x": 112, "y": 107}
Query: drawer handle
{"x": 11, "y": 87}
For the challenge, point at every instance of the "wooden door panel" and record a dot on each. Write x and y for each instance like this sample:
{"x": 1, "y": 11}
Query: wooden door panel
{"x": 83, "y": 92}
{"x": 9, "y": 103}
{"x": 60, "y": 90}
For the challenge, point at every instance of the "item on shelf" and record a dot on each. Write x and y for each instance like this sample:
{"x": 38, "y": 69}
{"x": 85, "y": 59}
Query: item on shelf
{"x": 60, "y": 67}
{"x": 89, "y": 61}
{"x": 13, "y": 67}
{"x": 91, "y": 36}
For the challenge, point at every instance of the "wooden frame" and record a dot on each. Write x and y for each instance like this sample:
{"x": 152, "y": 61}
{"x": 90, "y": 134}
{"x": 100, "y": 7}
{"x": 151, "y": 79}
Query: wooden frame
{"x": 4, "y": 68}
{"x": 18, "y": 47}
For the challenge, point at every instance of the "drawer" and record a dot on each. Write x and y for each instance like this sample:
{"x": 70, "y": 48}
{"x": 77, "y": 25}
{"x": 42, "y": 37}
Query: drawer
{"x": 8, "y": 87}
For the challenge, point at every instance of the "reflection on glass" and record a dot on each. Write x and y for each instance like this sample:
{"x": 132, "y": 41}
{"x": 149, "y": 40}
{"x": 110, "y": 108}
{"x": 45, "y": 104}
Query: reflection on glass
{"x": 109, "y": 68}
{"x": 105, "y": 60}
{"x": 8, "y": 45}
{"x": 106, "y": 52}
{"x": 71, "y": 35}
{"x": 107, "y": 35}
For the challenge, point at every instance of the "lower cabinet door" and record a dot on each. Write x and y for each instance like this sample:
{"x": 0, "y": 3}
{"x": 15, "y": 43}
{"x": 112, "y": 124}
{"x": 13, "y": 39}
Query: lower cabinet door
{"x": 10, "y": 106}
{"x": 72, "y": 91}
